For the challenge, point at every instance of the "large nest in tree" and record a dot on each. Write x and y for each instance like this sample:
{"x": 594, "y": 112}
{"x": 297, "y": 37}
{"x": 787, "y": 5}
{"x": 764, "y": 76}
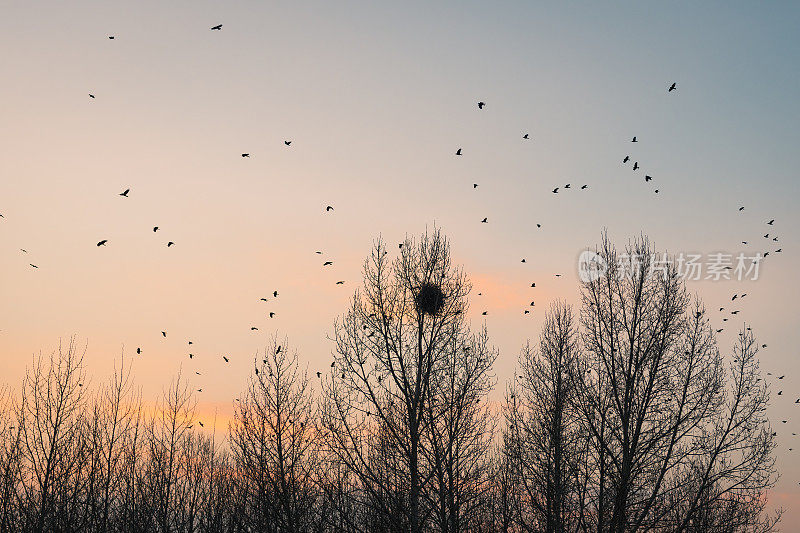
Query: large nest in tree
{"x": 429, "y": 298}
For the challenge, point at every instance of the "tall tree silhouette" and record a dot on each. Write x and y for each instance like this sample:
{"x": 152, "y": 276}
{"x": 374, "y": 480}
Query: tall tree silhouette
{"x": 391, "y": 347}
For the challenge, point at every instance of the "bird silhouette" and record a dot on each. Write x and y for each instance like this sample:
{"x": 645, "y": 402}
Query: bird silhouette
{"x": 771, "y": 221}
{"x": 164, "y": 333}
{"x": 584, "y": 187}
{"x": 125, "y": 193}
{"x": 278, "y": 350}
{"x": 275, "y": 294}
{"x": 627, "y": 158}
{"x": 458, "y": 152}
{"x": 566, "y": 186}
{"x": 329, "y": 208}
{"x": 635, "y": 165}
{"x": 111, "y": 37}
{"x": 170, "y": 243}
{"x": 634, "y": 139}
{"x": 287, "y": 143}
{"x": 555, "y": 191}
{"x": 155, "y": 229}
{"x": 326, "y": 263}
{"x": 245, "y": 155}
{"x": 340, "y": 282}
{"x": 485, "y": 220}
{"x": 474, "y": 185}
{"x": 138, "y": 350}
{"x": 672, "y": 87}
{"x": 217, "y": 27}
{"x": 319, "y": 374}
{"x": 102, "y": 243}
{"x": 226, "y": 359}
{"x": 525, "y": 136}
{"x": 648, "y": 178}
{"x": 271, "y": 314}
{"x": 253, "y": 328}
{"x": 91, "y": 95}
{"x": 480, "y": 105}
{"x": 741, "y": 208}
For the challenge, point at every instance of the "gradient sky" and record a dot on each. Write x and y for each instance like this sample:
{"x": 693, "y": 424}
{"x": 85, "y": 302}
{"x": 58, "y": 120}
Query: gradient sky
{"x": 376, "y": 99}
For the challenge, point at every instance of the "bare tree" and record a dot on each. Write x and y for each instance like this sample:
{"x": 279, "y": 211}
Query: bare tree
{"x": 652, "y": 395}
{"x": 51, "y": 418}
{"x": 163, "y": 477}
{"x": 545, "y": 442}
{"x": 273, "y": 445}
{"x": 389, "y": 346}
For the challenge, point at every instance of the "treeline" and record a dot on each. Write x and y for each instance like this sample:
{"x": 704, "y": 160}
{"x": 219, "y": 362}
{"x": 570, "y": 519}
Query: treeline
{"x": 624, "y": 417}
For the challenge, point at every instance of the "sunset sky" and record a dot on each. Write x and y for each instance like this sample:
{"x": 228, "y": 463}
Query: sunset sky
{"x": 376, "y": 99}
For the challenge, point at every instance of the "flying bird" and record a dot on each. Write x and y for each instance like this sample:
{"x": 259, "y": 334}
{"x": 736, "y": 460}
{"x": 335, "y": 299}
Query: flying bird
{"x": 771, "y": 221}
{"x": 458, "y": 152}
{"x": 474, "y": 185}
{"x": 102, "y": 243}
{"x": 485, "y": 220}
{"x": 275, "y": 294}
{"x": 627, "y": 158}
{"x": 217, "y": 27}
{"x": 226, "y": 359}
{"x": 340, "y": 282}
{"x": 111, "y": 37}
{"x": 671, "y": 87}
{"x": 170, "y": 243}
{"x": 245, "y": 155}
{"x": 481, "y": 104}
{"x": 567, "y": 186}
{"x": 741, "y": 208}
{"x": 555, "y": 190}
{"x": 125, "y": 193}
{"x": 164, "y": 333}
{"x": 155, "y": 229}
{"x": 138, "y": 350}
{"x": 329, "y": 208}
{"x": 648, "y": 178}
{"x": 287, "y": 143}
{"x": 525, "y": 136}
{"x": 584, "y": 187}
{"x": 635, "y": 165}
{"x": 271, "y": 314}
{"x": 326, "y": 263}
{"x": 634, "y": 139}
{"x": 91, "y": 95}
{"x": 319, "y": 374}
{"x": 253, "y": 328}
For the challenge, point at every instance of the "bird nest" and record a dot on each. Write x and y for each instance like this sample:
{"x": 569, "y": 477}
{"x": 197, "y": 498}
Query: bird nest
{"x": 429, "y": 298}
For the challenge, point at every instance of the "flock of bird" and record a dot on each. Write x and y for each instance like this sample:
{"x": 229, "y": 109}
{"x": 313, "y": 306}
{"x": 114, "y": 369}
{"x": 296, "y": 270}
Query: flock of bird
{"x": 459, "y": 152}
